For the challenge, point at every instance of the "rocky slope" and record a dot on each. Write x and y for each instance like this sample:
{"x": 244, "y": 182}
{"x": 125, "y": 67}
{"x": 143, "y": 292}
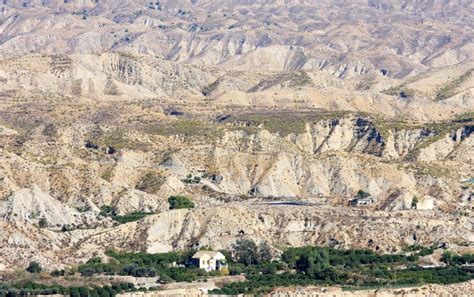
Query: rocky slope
{"x": 259, "y": 177}
{"x": 270, "y": 115}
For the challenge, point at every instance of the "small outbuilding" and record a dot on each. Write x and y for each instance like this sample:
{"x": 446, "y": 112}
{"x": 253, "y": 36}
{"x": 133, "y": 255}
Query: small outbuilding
{"x": 209, "y": 260}
{"x": 362, "y": 201}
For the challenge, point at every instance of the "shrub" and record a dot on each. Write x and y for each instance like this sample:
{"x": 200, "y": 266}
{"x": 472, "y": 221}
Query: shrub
{"x": 179, "y": 202}
{"x": 107, "y": 211}
{"x": 57, "y": 273}
{"x": 88, "y": 272}
{"x": 414, "y": 202}
{"x": 94, "y": 260}
{"x": 362, "y": 194}
{"x": 67, "y": 227}
{"x": 43, "y": 223}
{"x": 132, "y": 217}
{"x": 264, "y": 252}
{"x": 34, "y": 267}
{"x": 246, "y": 252}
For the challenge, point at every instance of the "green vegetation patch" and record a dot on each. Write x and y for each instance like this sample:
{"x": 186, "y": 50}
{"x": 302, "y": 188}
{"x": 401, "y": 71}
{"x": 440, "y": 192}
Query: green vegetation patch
{"x": 288, "y": 79}
{"x": 110, "y": 211}
{"x": 132, "y": 217}
{"x": 352, "y": 269}
{"x": 282, "y": 123}
{"x": 207, "y": 90}
{"x": 34, "y": 289}
{"x": 449, "y": 89}
{"x": 436, "y": 131}
{"x": 400, "y": 91}
{"x": 150, "y": 183}
{"x": 180, "y": 202}
{"x": 146, "y": 265}
{"x": 118, "y": 139}
{"x": 299, "y": 79}
{"x": 187, "y": 128}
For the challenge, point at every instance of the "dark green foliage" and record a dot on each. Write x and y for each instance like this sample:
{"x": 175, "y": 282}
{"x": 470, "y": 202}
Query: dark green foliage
{"x": 352, "y": 268}
{"x": 33, "y": 289}
{"x": 207, "y": 90}
{"x": 362, "y": 194}
{"x": 57, "y": 273}
{"x": 342, "y": 258}
{"x": 179, "y": 202}
{"x": 110, "y": 211}
{"x": 34, "y": 267}
{"x": 264, "y": 252}
{"x": 145, "y": 265}
{"x": 192, "y": 180}
{"x": 150, "y": 183}
{"x": 95, "y": 260}
{"x": 246, "y": 252}
{"x": 419, "y": 250}
{"x": 313, "y": 262}
{"x": 451, "y": 259}
{"x": 313, "y": 266}
{"x": 107, "y": 210}
{"x": 132, "y": 217}
{"x": 256, "y": 284}
{"x": 43, "y": 223}
{"x": 451, "y": 87}
{"x": 414, "y": 202}
{"x": 67, "y": 228}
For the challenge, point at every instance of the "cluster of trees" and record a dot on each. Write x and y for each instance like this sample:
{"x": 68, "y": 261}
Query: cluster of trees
{"x": 361, "y": 194}
{"x": 325, "y": 257}
{"x": 419, "y": 250}
{"x": 298, "y": 266}
{"x": 247, "y": 252}
{"x": 249, "y": 258}
{"x": 131, "y": 217}
{"x": 451, "y": 259}
{"x": 145, "y": 265}
{"x": 192, "y": 180}
{"x": 34, "y": 289}
{"x": 179, "y": 202}
{"x": 360, "y": 268}
{"x": 262, "y": 283}
{"x": 110, "y": 211}
{"x": 440, "y": 275}
{"x": 259, "y": 284}
{"x": 34, "y": 267}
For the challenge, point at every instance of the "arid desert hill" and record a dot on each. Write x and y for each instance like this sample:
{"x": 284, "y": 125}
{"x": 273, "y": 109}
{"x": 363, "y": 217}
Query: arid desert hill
{"x": 270, "y": 115}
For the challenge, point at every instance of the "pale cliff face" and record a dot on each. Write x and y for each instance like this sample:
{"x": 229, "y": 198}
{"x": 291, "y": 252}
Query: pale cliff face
{"x": 281, "y": 109}
{"x": 322, "y": 161}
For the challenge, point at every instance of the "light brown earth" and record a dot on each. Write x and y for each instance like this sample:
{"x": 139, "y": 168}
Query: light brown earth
{"x": 272, "y": 103}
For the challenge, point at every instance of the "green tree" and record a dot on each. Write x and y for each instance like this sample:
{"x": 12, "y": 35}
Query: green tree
{"x": 179, "y": 202}
{"x": 94, "y": 260}
{"x": 43, "y": 223}
{"x": 314, "y": 262}
{"x": 447, "y": 257}
{"x": 414, "y": 202}
{"x": 246, "y": 252}
{"x": 264, "y": 252}
{"x": 57, "y": 273}
{"x": 362, "y": 194}
{"x": 34, "y": 267}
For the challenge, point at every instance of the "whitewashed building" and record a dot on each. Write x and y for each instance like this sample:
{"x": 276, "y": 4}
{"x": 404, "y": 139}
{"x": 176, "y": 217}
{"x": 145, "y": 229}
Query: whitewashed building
{"x": 209, "y": 260}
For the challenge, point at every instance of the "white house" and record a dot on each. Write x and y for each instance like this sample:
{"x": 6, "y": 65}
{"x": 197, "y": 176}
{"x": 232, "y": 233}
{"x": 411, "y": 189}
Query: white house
{"x": 362, "y": 201}
{"x": 209, "y": 260}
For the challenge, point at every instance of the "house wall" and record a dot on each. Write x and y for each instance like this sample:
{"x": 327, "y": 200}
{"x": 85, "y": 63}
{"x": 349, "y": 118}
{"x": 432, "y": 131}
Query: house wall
{"x": 207, "y": 264}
